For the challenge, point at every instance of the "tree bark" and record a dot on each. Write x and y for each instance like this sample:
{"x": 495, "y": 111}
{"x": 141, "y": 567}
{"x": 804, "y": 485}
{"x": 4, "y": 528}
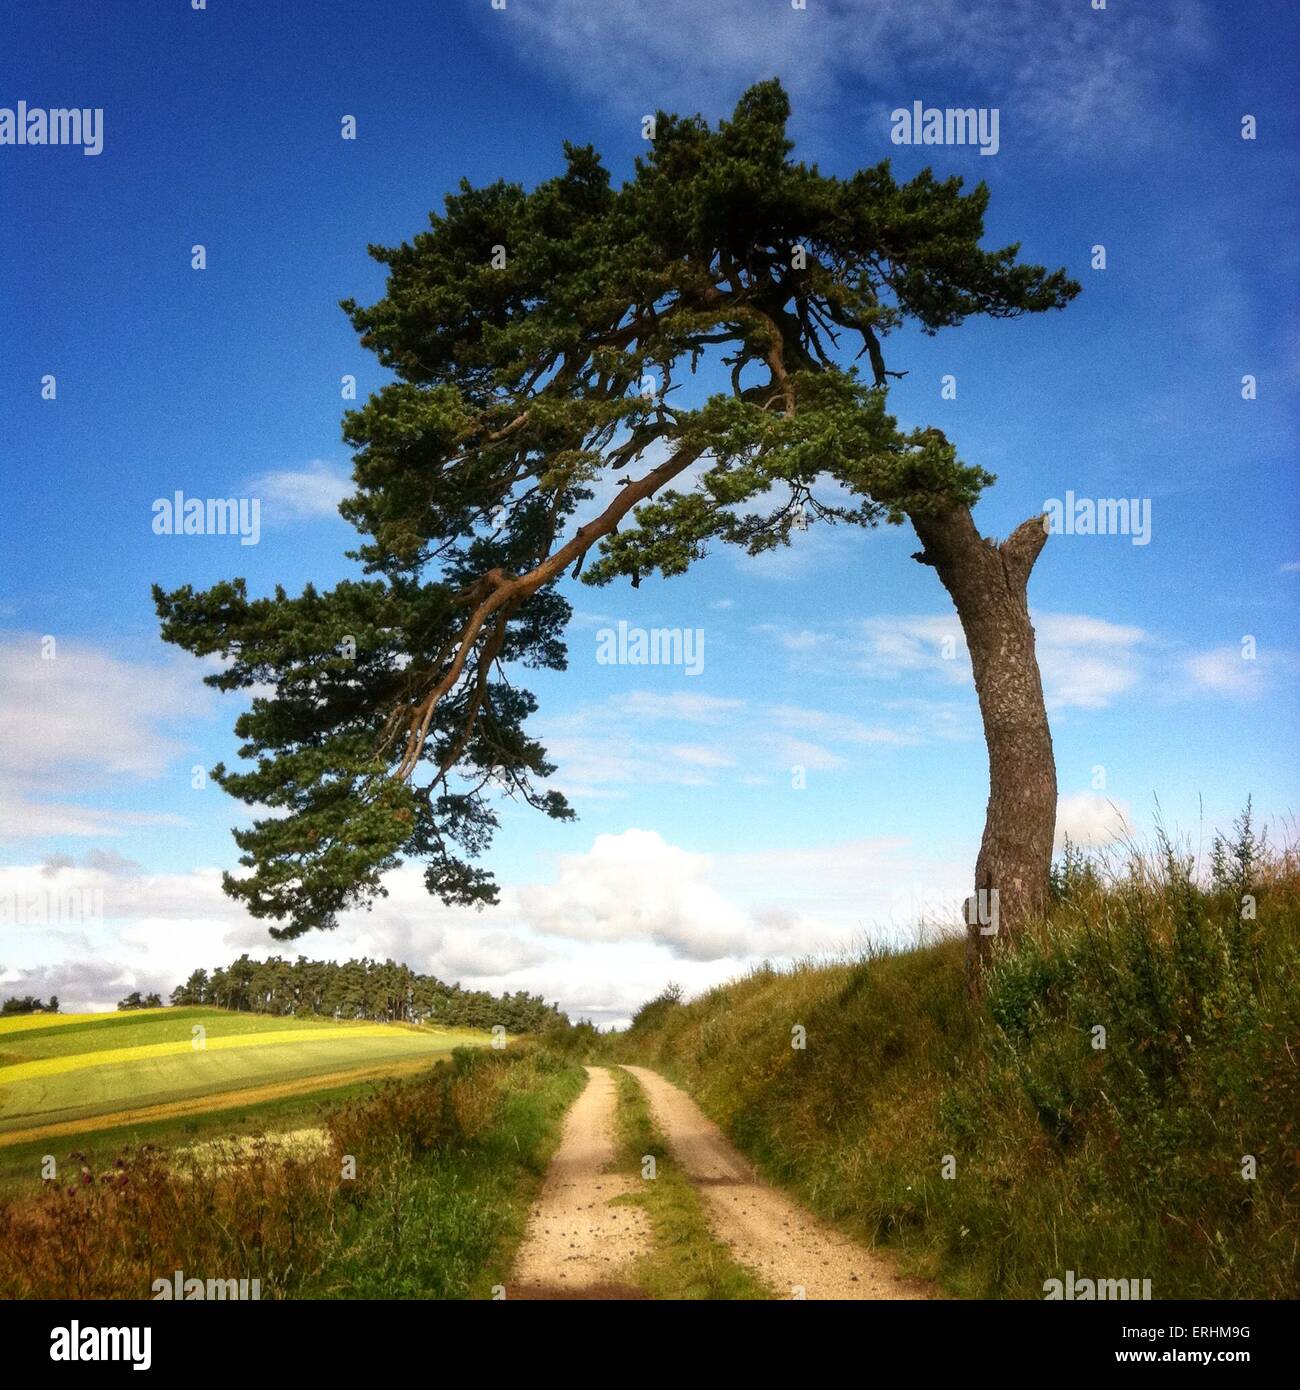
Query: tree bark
{"x": 988, "y": 582}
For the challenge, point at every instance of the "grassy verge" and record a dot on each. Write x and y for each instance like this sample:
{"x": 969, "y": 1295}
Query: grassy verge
{"x": 686, "y": 1261}
{"x": 422, "y": 1191}
{"x": 447, "y": 1223}
{"x": 1123, "y": 1102}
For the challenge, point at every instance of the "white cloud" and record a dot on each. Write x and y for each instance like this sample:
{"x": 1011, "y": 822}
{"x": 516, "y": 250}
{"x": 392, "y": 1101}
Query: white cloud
{"x": 837, "y": 727}
{"x": 636, "y": 886}
{"x": 468, "y": 952}
{"x": 798, "y": 641}
{"x": 633, "y": 910}
{"x": 1077, "y": 629}
{"x": 96, "y": 930}
{"x": 83, "y": 719}
{"x": 1225, "y": 671}
{"x": 797, "y": 752}
{"x": 1063, "y": 70}
{"x": 155, "y": 929}
{"x": 1086, "y": 662}
{"x": 887, "y": 647}
{"x": 308, "y": 493}
{"x": 27, "y": 819}
{"x": 777, "y": 904}
{"x": 607, "y": 749}
{"x": 697, "y": 755}
{"x": 1090, "y": 820}
{"x": 598, "y": 758}
{"x": 683, "y": 705}
{"x": 830, "y": 899}
{"x": 88, "y": 712}
{"x": 818, "y": 550}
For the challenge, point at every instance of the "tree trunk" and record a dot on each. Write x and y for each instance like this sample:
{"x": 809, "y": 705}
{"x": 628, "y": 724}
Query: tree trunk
{"x": 988, "y": 581}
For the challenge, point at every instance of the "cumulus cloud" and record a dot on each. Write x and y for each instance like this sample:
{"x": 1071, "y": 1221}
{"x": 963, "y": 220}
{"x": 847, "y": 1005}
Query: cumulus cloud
{"x": 84, "y": 985}
{"x": 741, "y": 907}
{"x": 94, "y": 930}
{"x": 109, "y": 861}
{"x": 487, "y": 955}
{"x": 636, "y": 886}
{"x": 600, "y": 935}
{"x": 831, "y": 898}
{"x": 102, "y": 927}
{"x": 1091, "y": 820}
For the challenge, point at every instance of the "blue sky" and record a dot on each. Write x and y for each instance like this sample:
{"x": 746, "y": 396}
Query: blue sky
{"x": 695, "y": 852}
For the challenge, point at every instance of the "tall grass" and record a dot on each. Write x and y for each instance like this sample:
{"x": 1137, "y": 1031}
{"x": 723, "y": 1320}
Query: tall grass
{"x": 1133, "y": 1059}
{"x": 419, "y": 1192}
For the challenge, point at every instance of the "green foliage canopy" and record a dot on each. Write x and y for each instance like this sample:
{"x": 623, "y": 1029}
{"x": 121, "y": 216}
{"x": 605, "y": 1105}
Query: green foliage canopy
{"x": 538, "y": 341}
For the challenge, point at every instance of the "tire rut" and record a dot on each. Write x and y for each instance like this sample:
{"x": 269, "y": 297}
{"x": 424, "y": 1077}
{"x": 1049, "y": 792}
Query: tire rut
{"x": 578, "y": 1246}
{"x": 785, "y": 1245}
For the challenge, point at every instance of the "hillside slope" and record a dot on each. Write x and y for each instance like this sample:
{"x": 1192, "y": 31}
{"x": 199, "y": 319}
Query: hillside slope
{"x": 1122, "y": 1103}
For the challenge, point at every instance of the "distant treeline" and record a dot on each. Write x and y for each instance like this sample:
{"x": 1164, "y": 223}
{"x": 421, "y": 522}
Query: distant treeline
{"x": 136, "y": 1000}
{"x": 382, "y": 991}
{"x": 29, "y": 1004}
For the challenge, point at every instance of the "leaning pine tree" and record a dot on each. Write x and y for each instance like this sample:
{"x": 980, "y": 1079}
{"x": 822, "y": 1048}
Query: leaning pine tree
{"x": 538, "y": 340}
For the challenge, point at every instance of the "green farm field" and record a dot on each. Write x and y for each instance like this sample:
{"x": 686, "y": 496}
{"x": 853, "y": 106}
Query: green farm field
{"x": 78, "y": 1073}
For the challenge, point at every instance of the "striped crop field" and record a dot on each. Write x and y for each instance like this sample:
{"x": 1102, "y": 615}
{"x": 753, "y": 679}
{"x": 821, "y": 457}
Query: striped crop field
{"x": 70, "y": 1073}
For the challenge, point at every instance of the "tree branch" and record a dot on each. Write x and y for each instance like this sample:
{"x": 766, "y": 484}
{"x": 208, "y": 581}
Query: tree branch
{"x": 1023, "y": 546}
{"x": 496, "y": 592}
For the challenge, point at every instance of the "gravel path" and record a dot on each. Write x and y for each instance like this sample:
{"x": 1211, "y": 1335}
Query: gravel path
{"x": 765, "y": 1230}
{"x": 576, "y": 1244}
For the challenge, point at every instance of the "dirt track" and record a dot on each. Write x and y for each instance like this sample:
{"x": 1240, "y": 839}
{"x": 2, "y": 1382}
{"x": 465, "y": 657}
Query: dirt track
{"x": 577, "y": 1245}
{"x": 766, "y": 1230}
